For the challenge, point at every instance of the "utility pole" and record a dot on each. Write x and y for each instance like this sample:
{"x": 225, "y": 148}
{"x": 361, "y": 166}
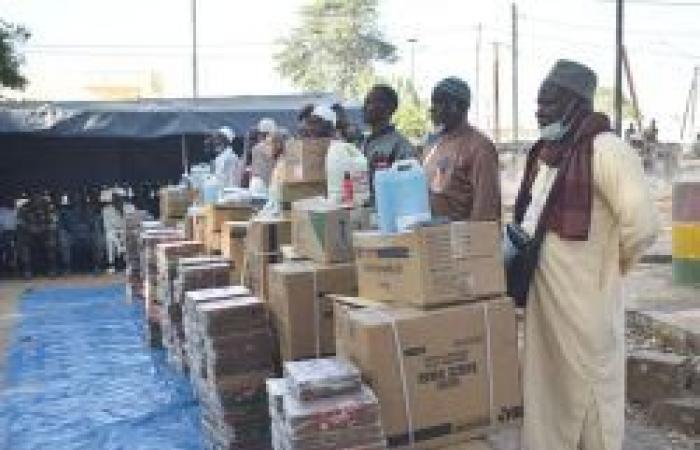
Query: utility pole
{"x": 515, "y": 72}
{"x": 413, "y": 41}
{"x": 691, "y": 104}
{"x": 618, "y": 66}
{"x": 496, "y": 96}
{"x": 478, "y": 69}
{"x": 195, "y": 84}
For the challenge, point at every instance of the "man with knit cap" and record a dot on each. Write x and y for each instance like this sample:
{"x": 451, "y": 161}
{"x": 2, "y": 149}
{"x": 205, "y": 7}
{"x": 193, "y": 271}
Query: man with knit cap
{"x": 585, "y": 189}
{"x": 462, "y": 164}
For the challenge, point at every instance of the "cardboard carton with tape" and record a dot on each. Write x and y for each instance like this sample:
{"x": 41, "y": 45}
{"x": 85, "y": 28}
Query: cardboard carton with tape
{"x": 265, "y": 238}
{"x": 322, "y": 230}
{"x": 441, "y": 376}
{"x": 302, "y": 311}
{"x": 431, "y": 266}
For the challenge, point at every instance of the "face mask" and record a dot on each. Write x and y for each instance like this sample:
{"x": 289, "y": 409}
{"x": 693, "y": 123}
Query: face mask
{"x": 556, "y": 131}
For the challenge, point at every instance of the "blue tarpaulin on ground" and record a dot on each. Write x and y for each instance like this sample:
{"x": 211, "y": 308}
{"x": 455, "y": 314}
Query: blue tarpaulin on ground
{"x": 79, "y": 376}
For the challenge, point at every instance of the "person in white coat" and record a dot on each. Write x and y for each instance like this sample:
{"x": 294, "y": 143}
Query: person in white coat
{"x": 228, "y": 167}
{"x": 600, "y": 222}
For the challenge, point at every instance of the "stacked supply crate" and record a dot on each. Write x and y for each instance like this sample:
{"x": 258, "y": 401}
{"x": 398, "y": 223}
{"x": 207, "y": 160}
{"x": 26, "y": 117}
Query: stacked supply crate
{"x": 192, "y": 274}
{"x": 230, "y": 335}
{"x": 167, "y": 256}
{"x": 322, "y": 404}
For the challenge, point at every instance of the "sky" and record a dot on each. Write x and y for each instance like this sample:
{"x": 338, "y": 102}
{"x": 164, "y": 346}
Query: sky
{"x": 79, "y": 43}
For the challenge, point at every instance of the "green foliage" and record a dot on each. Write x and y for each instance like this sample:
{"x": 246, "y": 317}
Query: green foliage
{"x": 604, "y": 101}
{"x": 11, "y": 35}
{"x": 334, "y": 46}
{"x": 412, "y": 117}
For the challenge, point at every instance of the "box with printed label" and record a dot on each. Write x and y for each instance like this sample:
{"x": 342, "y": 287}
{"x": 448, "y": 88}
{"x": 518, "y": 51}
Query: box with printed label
{"x": 301, "y": 310}
{"x": 233, "y": 236}
{"x": 322, "y": 230}
{"x": 216, "y": 215}
{"x": 265, "y": 238}
{"x": 452, "y": 371}
{"x": 305, "y": 159}
{"x": 431, "y": 266}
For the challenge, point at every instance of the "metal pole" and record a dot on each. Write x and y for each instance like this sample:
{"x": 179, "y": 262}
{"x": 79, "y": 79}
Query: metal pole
{"x": 496, "y": 96}
{"x": 515, "y": 73}
{"x": 185, "y": 158}
{"x": 413, "y": 61}
{"x": 478, "y": 66}
{"x": 618, "y": 66}
{"x": 195, "y": 85}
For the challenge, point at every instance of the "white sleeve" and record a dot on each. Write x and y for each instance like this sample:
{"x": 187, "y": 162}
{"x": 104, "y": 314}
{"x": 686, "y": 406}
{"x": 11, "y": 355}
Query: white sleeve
{"x": 619, "y": 177}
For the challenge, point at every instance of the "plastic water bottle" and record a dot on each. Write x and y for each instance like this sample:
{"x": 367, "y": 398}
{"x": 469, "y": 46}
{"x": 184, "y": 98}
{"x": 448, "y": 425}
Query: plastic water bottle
{"x": 384, "y": 199}
{"x": 412, "y": 201}
{"x": 211, "y": 190}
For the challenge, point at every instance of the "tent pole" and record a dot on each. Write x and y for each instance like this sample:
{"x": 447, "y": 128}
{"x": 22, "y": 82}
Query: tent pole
{"x": 185, "y": 162}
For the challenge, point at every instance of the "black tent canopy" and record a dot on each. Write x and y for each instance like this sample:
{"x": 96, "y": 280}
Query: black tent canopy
{"x": 65, "y": 145}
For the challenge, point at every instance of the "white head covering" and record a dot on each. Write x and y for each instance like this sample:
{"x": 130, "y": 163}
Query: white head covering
{"x": 227, "y": 133}
{"x": 267, "y": 125}
{"x": 325, "y": 113}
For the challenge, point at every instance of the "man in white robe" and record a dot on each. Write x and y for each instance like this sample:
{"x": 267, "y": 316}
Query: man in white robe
{"x": 600, "y": 222}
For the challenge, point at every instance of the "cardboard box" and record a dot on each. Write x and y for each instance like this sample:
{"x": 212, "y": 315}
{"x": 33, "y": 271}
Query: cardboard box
{"x": 174, "y": 201}
{"x": 216, "y": 215}
{"x": 233, "y": 236}
{"x": 460, "y": 365}
{"x": 291, "y": 191}
{"x": 431, "y": 266}
{"x": 303, "y": 318}
{"x": 322, "y": 230}
{"x": 263, "y": 243}
{"x": 305, "y": 159}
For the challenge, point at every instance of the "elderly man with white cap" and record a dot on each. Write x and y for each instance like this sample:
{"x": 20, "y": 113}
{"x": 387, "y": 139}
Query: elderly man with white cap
{"x": 228, "y": 167}
{"x": 585, "y": 202}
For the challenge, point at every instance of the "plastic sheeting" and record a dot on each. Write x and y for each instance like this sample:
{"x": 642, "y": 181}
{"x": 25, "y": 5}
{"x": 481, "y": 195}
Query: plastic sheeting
{"x": 79, "y": 376}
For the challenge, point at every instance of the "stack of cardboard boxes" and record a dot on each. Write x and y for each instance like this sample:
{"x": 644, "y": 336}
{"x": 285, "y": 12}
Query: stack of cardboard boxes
{"x": 264, "y": 241}
{"x": 213, "y": 218}
{"x": 303, "y": 170}
{"x": 301, "y": 311}
{"x": 133, "y": 225}
{"x": 322, "y": 404}
{"x": 149, "y": 239}
{"x": 432, "y": 333}
{"x": 233, "y": 239}
{"x": 229, "y": 335}
{"x": 192, "y": 274}
{"x": 167, "y": 256}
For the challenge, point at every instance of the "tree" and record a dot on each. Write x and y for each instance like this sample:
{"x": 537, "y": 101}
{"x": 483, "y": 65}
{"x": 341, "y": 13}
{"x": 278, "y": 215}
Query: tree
{"x": 11, "y": 36}
{"x": 334, "y": 47}
{"x": 604, "y": 101}
{"x": 411, "y": 117}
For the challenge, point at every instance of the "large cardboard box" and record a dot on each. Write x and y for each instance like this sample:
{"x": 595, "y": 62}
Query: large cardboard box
{"x": 458, "y": 365}
{"x": 233, "y": 236}
{"x": 291, "y": 191}
{"x": 322, "y": 230}
{"x": 305, "y": 159}
{"x": 216, "y": 215}
{"x": 431, "y": 266}
{"x": 265, "y": 238}
{"x": 302, "y": 311}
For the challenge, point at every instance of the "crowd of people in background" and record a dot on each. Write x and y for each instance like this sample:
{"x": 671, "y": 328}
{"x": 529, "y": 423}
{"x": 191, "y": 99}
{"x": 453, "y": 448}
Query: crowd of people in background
{"x": 60, "y": 233}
